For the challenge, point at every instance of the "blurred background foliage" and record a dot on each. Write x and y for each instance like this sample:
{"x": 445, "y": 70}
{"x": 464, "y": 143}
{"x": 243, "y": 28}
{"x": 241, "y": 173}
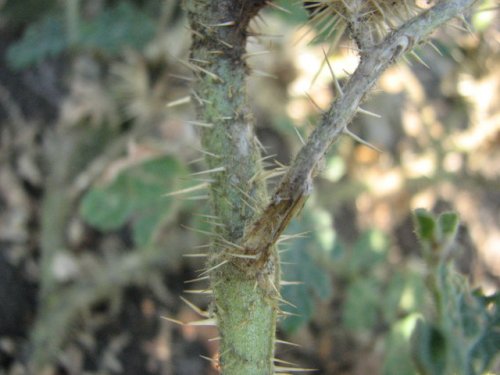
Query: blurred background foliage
{"x": 95, "y": 130}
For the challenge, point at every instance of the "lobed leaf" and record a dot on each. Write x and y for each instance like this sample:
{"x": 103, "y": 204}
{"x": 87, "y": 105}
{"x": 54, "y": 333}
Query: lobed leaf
{"x": 136, "y": 196}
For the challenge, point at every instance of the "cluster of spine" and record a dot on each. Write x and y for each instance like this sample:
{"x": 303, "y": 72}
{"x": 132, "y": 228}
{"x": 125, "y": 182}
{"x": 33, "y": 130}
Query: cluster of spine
{"x": 377, "y": 17}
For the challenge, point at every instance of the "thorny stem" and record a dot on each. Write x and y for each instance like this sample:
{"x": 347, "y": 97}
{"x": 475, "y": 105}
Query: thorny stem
{"x": 245, "y": 313}
{"x": 297, "y": 183}
{"x": 244, "y": 301}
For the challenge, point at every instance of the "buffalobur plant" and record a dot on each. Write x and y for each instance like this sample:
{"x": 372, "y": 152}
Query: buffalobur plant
{"x": 462, "y": 336}
{"x": 243, "y": 265}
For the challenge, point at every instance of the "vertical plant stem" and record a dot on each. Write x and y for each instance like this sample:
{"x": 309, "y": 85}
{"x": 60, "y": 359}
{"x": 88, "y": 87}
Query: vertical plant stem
{"x": 244, "y": 307}
{"x": 68, "y": 152}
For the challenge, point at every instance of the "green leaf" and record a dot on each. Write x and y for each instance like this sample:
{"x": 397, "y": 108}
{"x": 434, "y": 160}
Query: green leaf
{"x": 301, "y": 262}
{"x": 425, "y": 224}
{"x": 135, "y": 195}
{"x": 43, "y": 39}
{"x": 145, "y": 226}
{"x": 108, "y": 33}
{"x": 105, "y": 208}
{"x": 480, "y": 318}
{"x": 448, "y": 224}
{"x": 115, "y": 28}
{"x": 429, "y": 349}
{"x": 360, "y": 310}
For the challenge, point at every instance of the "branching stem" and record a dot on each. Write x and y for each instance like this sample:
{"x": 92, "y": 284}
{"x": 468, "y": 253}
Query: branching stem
{"x": 296, "y": 185}
{"x": 243, "y": 265}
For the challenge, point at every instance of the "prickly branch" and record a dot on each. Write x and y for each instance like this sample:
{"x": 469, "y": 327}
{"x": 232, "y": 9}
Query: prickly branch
{"x": 245, "y": 314}
{"x": 243, "y": 263}
{"x": 296, "y": 185}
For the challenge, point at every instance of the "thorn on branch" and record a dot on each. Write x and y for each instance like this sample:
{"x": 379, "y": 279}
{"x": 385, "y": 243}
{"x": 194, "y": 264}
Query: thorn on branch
{"x": 360, "y": 140}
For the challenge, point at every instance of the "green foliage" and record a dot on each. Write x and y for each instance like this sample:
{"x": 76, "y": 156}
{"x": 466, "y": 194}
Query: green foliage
{"x": 360, "y": 310}
{"x": 432, "y": 231}
{"x": 362, "y": 306}
{"x": 436, "y": 234}
{"x": 425, "y": 226}
{"x": 135, "y": 195}
{"x": 116, "y": 28}
{"x": 41, "y": 40}
{"x": 301, "y": 263}
{"x": 429, "y": 349}
{"x": 402, "y": 303}
{"x": 448, "y": 224}
{"x": 369, "y": 251}
{"x": 397, "y": 360}
{"x": 404, "y": 294}
{"x": 463, "y": 338}
{"x": 375, "y": 293}
{"x": 480, "y": 322}
{"x": 460, "y": 335}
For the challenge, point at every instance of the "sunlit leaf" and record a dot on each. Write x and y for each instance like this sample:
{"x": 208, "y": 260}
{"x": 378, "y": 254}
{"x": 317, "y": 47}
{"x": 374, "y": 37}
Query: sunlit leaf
{"x": 404, "y": 293}
{"x": 481, "y": 20}
{"x": 397, "y": 359}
